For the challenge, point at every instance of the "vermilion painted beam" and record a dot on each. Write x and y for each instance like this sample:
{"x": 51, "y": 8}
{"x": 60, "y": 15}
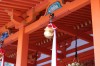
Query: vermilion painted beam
{"x": 89, "y": 55}
{"x": 49, "y": 58}
{"x": 44, "y": 20}
{"x": 59, "y": 40}
{"x": 44, "y": 60}
{"x": 22, "y": 48}
{"x": 11, "y": 38}
{"x": 30, "y": 13}
{"x": 43, "y": 50}
{"x": 29, "y": 2}
{"x": 3, "y": 29}
{"x": 11, "y": 60}
{"x": 82, "y": 56}
{"x": 52, "y": 1}
{"x": 17, "y": 3}
{"x": 41, "y": 6}
{"x": 48, "y": 51}
{"x": 12, "y": 6}
{"x": 64, "y": 11}
{"x": 72, "y": 32}
{"x": 95, "y": 9}
{"x": 68, "y": 52}
{"x": 80, "y": 48}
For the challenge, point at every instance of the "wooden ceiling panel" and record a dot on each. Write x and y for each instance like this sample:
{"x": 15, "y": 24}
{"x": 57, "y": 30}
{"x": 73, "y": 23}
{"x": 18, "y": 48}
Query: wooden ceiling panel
{"x": 78, "y": 17}
{"x": 37, "y": 39}
{"x": 22, "y": 5}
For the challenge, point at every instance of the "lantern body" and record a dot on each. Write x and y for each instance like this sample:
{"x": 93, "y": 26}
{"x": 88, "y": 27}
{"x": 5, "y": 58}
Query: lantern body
{"x": 75, "y": 64}
{"x": 69, "y": 65}
{"x": 48, "y": 33}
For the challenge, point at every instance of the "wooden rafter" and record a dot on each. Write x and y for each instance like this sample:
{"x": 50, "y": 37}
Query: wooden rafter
{"x": 43, "y": 21}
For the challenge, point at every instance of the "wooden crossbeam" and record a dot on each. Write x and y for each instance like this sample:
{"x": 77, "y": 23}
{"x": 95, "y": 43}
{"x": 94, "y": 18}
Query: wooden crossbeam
{"x": 89, "y": 55}
{"x": 80, "y": 48}
{"x": 82, "y": 56}
{"x": 44, "y": 50}
{"x": 41, "y": 6}
{"x": 68, "y": 52}
{"x": 47, "y": 51}
{"x": 72, "y": 32}
{"x": 64, "y": 11}
{"x": 11, "y": 60}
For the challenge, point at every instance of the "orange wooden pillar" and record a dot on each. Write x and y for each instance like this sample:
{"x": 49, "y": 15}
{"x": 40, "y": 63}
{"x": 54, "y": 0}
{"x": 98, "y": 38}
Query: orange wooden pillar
{"x": 22, "y": 48}
{"x": 95, "y": 9}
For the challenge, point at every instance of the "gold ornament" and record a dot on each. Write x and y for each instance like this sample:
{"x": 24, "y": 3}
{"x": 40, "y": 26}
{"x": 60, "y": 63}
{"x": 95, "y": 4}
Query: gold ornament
{"x": 48, "y": 33}
{"x": 75, "y": 64}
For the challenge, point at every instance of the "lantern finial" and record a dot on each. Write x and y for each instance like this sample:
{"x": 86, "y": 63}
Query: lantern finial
{"x": 49, "y": 30}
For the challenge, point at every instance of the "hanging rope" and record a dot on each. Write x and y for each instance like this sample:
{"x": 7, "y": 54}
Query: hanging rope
{"x": 54, "y": 49}
{"x": 76, "y": 59}
{"x": 76, "y": 54}
{"x": 54, "y": 53}
{"x": 36, "y": 57}
{"x": 51, "y": 17}
{"x": 50, "y": 32}
{"x": 76, "y": 48}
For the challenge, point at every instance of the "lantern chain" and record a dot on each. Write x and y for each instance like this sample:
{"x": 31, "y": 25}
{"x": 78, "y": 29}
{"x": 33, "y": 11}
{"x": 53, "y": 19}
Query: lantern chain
{"x": 76, "y": 54}
{"x": 51, "y": 17}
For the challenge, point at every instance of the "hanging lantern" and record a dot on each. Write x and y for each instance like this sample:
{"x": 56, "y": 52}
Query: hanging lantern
{"x": 49, "y": 31}
{"x": 75, "y": 62}
{"x": 76, "y": 59}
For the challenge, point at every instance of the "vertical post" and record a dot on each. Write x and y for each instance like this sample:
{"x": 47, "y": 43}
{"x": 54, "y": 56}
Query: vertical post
{"x": 22, "y": 48}
{"x": 95, "y": 9}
